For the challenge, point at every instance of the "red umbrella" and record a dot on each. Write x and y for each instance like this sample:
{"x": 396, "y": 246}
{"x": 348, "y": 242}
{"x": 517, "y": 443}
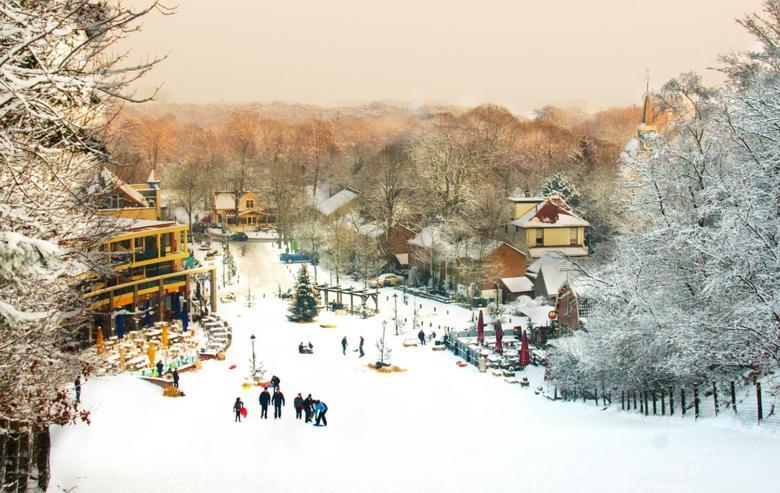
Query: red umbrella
{"x": 480, "y": 329}
{"x": 525, "y": 355}
{"x": 499, "y": 337}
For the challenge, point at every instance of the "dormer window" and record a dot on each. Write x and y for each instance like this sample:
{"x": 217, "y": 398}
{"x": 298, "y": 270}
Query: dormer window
{"x": 250, "y": 203}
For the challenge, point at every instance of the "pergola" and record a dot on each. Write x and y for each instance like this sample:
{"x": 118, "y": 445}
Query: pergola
{"x": 341, "y": 292}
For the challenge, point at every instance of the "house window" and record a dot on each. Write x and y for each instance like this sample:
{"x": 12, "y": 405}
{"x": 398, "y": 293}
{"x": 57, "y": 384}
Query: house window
{"x": 539, "y": 236}
{"x": 250, "y": 203}
{"x": 573, "y": 236}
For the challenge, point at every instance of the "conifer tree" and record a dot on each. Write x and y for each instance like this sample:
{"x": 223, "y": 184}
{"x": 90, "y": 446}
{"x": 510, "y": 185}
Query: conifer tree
{"x": 559, "y": 184}
{"x": 304, "y": 302}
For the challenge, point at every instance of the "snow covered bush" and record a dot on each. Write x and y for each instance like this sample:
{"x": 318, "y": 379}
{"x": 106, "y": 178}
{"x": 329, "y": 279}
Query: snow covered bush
{"x": 693, "y": 289}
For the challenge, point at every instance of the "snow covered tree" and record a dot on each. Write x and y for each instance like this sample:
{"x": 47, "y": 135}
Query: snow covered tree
{"x": 58, "y": 82}
{"x": 693, "y": 290}
{"x": 560, "y": 185}
{"x": 303, "y": 306}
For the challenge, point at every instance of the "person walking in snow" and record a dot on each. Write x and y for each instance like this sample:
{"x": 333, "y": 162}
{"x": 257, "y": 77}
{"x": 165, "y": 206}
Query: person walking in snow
{"x": 361, "y": 347}
{"x": 176, "y": 378}
{"x": 159, "y": 368}
{"x": 421, "y": 336}
{"x": 275, "y": 382}
{"x": 77, "y": 386}
{"x": 308, "y": 407}
{"x": 298, "y": 405}
{"x": 265, "y": 399}
{"x": 320, "y": 408}
{"x": 278, "y": 401}
{"x": 237, "y": 408}
{"x": 344, "y": 345}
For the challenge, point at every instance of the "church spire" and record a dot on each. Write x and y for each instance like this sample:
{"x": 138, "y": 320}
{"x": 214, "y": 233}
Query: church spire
{"x": 647, "y": 107}
{"x": 646, "y": 131}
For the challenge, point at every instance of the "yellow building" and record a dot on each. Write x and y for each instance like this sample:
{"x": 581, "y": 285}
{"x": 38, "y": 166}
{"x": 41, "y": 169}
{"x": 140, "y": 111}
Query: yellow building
{"x": 150, "y": 260}
{"x": 136, "y": 201}
{"x": 240, "y": 212}
{"x": 547, "y": 224}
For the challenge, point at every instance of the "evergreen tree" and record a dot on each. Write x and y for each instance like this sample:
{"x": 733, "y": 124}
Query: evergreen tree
{"x": 304, "y": 302}
{"x": 560, "y": 185}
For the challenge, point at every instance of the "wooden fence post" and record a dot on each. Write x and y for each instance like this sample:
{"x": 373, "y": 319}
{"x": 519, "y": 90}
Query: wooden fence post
{"x": 733, "y": 397}
{"x": 654, "y": 403}
{"x": 671, "y": 401}
{"x": 555, "y": 393}
{"x": 758, "y": 402}
{"x": 682, "y": 400}
{"x": 696, "y": 401}
{"x": 715, "y": 396}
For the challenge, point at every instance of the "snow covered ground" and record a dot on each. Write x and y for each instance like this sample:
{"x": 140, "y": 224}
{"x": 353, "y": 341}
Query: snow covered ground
{"x": 434, "y": 428}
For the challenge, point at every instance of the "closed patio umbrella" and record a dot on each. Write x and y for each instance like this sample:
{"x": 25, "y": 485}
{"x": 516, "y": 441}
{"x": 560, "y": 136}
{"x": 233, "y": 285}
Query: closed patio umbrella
{"x": 120, "y": 326}
{"x": 185, "y": 316}
{"x": 525, "y": 354}
{"x": 480, "y": 329}
{"x": 147, "y": 314}
{"x": 499, "y": 337}
{"x": 176, "y": 306}
{"x": 152, "y": 353}
{"x": 164, "y": 336}
{"x": 99, "y": 340}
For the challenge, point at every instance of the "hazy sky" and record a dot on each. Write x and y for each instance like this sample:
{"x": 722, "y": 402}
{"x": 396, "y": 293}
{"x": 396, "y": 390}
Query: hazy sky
{"x": 519, "y": 53}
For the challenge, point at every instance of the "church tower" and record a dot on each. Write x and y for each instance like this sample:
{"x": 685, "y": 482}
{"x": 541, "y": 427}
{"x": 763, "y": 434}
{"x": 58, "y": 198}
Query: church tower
{"x": 646, "y": 131}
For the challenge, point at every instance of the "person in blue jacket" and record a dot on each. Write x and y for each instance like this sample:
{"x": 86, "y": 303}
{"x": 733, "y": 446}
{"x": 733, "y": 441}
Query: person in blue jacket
{"x": 320, "y": 408}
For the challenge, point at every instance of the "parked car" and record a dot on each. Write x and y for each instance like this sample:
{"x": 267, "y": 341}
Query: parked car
{"x": 199, "y": 227}
{"x": 239, "y": 237}
{"x": 387, "y": 280}
{"x": 289, "y": 258}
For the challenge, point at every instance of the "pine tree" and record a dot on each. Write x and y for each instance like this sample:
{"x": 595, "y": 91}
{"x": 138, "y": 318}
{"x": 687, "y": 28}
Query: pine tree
{"x": 304, "y": 303}
{"x": 560, "y": 185}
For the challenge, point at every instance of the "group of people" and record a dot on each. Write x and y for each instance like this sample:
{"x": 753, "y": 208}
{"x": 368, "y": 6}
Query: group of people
{"x": 360, "y": 346}
{"x": 307, "y": 349}
{"x": 174, "y": 372}
{"x": 313, "y": 408}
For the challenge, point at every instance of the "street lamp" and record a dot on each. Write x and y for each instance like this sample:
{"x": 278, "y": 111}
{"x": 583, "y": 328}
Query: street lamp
{"x": 384, "y": 347}
{"x": 395, "y": 308}
{"x": 252, "y": 338}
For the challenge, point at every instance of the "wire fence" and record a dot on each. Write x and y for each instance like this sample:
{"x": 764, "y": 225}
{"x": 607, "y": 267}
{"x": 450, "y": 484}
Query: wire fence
{"x": 749, "y": 403}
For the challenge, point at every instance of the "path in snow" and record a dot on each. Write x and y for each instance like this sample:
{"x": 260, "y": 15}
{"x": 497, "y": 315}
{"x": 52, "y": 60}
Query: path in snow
{"x": 435, "y": 428}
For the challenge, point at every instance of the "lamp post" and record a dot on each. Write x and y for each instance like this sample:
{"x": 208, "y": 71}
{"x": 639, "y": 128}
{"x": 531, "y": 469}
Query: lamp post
{"x": 384, "y": 347}
{"x": 252, "y": 338}
{"x": 395, "y": 309}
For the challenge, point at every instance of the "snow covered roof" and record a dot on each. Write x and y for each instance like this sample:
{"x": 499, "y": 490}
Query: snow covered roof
{"x": 224, "y": 200}
{"x": 120, "y": 186}
{"x": 574, "y": 251}
{"x": 552, "y": 258}
{"x": 520, "y": 198}
{"x": 553, "y": 279}
{"x": 518, "y": 284}
{"x": 342, "y": 198}
{"x": 537, "y": 314}
{"x": 431, "y": 237}
{"x": 551, "y": 213}
{"x": 403, "y": 258}
{"x": 372, "y": 230}
{"x": 135, "y": 225}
